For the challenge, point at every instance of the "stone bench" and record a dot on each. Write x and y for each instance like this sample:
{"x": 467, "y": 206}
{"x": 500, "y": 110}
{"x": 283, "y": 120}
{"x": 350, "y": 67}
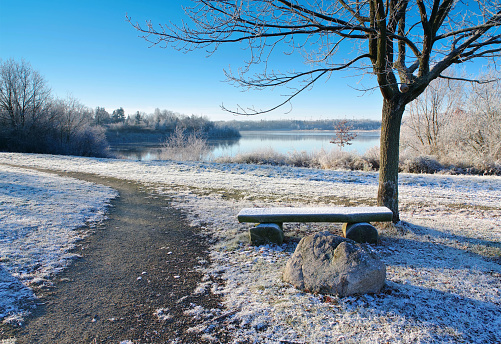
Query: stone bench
{"x": 356, "y": 221}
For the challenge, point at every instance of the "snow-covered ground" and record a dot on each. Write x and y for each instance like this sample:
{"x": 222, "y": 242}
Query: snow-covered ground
{"x": 443, "y": 266}
{"x": 39, "y": 219}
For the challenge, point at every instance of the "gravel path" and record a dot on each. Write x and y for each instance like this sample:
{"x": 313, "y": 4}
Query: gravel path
{"x": 134, "y": 280}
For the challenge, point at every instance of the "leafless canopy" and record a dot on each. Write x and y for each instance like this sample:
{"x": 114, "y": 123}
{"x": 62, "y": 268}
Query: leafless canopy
{"x": 404, "y": 43}
{"x": 23, "y": 94}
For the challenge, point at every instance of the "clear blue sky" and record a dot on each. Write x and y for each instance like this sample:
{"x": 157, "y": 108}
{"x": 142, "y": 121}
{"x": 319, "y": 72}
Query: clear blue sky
{"x": 88, "y": 50}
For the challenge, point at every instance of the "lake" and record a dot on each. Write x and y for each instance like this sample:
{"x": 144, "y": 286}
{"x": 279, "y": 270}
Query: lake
{"x": 280, "y": 141}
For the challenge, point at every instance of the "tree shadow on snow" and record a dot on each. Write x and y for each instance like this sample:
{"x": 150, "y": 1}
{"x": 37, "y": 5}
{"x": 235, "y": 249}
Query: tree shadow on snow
{"x": 439, "y": 249}
{"x": 448, "y": 316}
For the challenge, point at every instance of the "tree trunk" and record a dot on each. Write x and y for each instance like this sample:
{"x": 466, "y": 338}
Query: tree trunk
{"x": 390, "y": 141}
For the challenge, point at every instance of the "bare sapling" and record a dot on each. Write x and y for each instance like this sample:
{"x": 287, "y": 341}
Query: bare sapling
{"x": 344, "y": 135}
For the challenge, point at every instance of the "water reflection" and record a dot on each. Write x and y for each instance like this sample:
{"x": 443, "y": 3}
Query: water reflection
{"x": 280, "y": 141}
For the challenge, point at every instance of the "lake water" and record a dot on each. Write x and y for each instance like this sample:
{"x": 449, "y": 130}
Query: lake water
{"x": 280, "y": 141}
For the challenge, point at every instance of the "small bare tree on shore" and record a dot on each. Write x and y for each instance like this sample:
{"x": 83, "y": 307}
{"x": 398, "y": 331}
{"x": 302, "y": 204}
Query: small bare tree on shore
{"x": 344, "y": 135}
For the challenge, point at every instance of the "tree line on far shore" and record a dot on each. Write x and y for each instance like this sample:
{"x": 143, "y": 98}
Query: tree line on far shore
{"x": 291, "y": 124}
{"x": 160, "y": 123}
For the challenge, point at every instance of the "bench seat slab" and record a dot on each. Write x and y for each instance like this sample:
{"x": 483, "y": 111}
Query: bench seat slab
{"x": 321, "y": 214}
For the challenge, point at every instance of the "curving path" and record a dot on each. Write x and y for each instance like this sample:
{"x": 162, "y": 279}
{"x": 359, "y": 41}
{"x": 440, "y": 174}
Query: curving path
{"x": 139, "y": 261}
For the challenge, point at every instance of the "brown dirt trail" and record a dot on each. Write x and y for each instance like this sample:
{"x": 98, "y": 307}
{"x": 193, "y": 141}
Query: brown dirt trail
{"x": 141, "y": 259}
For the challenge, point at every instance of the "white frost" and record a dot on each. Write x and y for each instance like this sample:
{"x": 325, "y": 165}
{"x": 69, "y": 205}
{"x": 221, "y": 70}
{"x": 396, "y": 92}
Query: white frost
{"x": 444, "y": 282}
{"x": 40, "y": 217}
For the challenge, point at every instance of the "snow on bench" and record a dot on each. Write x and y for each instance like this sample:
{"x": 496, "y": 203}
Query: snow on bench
{"x": 322, "y": 214}
{"x": 356, "y": 221}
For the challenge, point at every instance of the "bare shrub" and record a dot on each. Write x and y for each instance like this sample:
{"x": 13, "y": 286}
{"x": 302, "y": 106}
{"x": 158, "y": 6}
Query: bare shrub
{"x": 90, "y": 141}
{"x": 372, "y": 158}
{"x": 420, "y": 164}
{"x": 184, "y": 146}
{"x": 301, "y": 159}
{"x": 260, "y": 157}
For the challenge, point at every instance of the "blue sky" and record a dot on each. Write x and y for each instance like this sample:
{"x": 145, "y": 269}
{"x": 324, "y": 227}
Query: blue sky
{"x": 88, "y": 50}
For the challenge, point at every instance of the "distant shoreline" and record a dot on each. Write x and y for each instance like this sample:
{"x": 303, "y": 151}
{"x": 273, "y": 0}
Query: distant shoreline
{"x": 313, "y": 130}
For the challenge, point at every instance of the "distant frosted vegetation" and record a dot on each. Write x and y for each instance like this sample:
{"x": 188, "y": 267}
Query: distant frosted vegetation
{"x": 291, "y": 124}
{"x": 32, "y": 120}
{"x": 452, "y": 127}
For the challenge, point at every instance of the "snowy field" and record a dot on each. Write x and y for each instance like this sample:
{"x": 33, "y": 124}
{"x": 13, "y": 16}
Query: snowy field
{"x": 443, "y": 260}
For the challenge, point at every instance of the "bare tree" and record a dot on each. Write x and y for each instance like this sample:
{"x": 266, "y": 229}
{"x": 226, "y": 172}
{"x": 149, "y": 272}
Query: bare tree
{"x": 482, "y": 127}
{"x": 430, "y": 113}
{"x": 344, "y": 135}
{"x": 24, "y": 95}
{"x": 70, "y": 117}
{"x": 405, "y": 44}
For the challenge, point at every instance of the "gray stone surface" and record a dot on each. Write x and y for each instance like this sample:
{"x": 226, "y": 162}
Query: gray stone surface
{"x": 319, "y": 214}
{"x": 266, "y": 233}
{"x": 362, "y": 232}
{"x": 329, "y": 264}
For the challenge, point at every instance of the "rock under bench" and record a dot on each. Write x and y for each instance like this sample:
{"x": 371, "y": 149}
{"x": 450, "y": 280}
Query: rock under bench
{"x": 356, "y": 221}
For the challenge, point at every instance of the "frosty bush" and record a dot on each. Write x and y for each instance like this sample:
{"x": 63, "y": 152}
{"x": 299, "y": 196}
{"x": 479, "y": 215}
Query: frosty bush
{"x": 185, "y": 146}
{"x": 338, "y": 159}
{"x": 259, "y": 157}
{"x": 324, "y": 159}
{"x": 301, "y": 159}
{"x": 420, "y": 164}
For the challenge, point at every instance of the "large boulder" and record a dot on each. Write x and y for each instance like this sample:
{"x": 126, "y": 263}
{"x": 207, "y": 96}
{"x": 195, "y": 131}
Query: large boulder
{"x": 329, "y": 264}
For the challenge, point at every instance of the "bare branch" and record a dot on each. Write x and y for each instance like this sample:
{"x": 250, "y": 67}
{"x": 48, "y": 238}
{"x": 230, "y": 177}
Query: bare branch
{"x": 289, "y": 98}
{"x": 476, "y": 81}
{"x": 273, "y": 81}
{"x": 376, "y": 26}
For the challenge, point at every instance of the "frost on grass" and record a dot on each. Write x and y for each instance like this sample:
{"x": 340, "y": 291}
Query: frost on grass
{"x": 39, "y": 219}
{"x": 15, "y": 299}
{"x": 443, "y": 266}
{"x": 163, "y": 314}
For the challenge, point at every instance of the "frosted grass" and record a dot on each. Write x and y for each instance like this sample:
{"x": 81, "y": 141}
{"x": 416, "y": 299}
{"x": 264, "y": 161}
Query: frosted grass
{"x": 443, "y": 270}
{"x": 40, "y": 217}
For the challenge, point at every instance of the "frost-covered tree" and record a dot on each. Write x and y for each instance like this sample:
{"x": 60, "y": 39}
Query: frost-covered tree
{"x": 458, "y": 124}
{"x": 430, "y": 114}
{"x": 101, "y": 116}
{"x": 481, "y": 129}
{"x": 404, "y": 44}
{"x": 24, "y": 95}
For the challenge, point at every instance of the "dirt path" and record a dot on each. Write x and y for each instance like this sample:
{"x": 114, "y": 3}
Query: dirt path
{"x": 140, "y": 260}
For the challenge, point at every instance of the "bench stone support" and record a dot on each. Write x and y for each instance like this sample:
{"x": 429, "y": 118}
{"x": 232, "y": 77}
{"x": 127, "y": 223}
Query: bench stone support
{"x": 266, "y": 233}
{"x": 361, "y": 232}
{"x": 356, "y": 221}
